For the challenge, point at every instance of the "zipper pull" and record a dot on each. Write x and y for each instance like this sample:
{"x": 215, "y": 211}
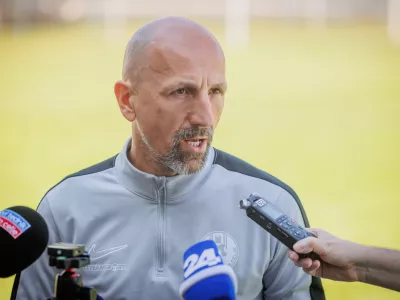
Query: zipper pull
{"x": 160, "y": 182}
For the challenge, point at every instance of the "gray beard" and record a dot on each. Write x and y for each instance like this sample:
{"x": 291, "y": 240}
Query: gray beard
{"x": 175, "y": 160}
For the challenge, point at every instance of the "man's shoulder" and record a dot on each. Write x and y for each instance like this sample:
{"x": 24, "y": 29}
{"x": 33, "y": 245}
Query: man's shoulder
{"x": 235, "y": 164}
{"x": 91, "y": 170}
{"x": 96, "y": 168}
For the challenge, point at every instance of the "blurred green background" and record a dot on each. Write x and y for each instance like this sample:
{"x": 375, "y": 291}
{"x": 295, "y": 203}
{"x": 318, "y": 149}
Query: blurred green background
{"x": 318, "y": 108}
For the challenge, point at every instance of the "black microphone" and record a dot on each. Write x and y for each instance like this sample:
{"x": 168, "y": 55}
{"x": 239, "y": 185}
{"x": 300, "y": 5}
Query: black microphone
{"x": 23, "y": 238}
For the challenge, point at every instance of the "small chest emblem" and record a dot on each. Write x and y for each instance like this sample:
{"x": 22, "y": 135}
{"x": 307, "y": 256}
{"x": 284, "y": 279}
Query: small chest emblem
{"x": 227, "y": 246}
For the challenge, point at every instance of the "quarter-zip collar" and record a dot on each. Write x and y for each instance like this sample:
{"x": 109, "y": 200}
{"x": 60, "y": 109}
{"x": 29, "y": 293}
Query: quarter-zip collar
{"x": 147, "y": 184}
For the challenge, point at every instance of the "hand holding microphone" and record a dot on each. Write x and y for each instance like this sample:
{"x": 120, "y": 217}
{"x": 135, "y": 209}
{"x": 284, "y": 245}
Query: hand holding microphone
{"x": 343, "y": 260}
{"x": 206, "y": 277}
{"x": 336, "y": 261}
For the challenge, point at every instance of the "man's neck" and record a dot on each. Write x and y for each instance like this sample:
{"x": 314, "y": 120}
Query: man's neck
{"x": 143, "y": 161}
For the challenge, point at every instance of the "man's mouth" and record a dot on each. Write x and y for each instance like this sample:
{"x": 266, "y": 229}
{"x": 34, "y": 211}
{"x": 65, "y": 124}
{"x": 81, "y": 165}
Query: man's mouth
{"x": 195, "y": 144}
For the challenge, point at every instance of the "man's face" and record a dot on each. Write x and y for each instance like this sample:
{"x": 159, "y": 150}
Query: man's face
{"x": 180, "y": 98}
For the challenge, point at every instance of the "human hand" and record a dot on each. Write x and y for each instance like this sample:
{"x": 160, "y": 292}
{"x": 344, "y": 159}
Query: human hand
{"x": 337, "y": 256}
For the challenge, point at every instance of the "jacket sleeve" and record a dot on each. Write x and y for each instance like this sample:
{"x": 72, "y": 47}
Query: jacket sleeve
{"x": 37, "y": 281}
{"x": 283, "y": 280}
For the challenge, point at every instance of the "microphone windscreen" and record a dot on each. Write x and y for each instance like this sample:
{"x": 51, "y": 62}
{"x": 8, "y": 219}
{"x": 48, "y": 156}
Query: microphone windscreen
{"x": 206, "y": 276}
{"x": 24, "y": 236}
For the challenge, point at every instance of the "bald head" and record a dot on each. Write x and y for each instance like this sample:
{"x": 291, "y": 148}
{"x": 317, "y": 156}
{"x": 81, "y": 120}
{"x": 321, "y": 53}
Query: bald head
{"x": 172, "y": 92}
{"x": 174, "y": 33}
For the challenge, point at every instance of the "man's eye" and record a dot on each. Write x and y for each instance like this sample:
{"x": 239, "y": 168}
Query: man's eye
{"x": 181, "y": 91}
{"x": 216, "y": 91}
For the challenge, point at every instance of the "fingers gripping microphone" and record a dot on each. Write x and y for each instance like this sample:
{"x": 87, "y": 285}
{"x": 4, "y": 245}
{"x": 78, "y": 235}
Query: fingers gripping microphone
{"x": 23, "y": 238}
{"x": 205, "y": 275}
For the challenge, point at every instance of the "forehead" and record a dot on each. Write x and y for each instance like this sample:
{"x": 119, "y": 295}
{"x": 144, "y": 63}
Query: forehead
{"x": 193, "y": 58}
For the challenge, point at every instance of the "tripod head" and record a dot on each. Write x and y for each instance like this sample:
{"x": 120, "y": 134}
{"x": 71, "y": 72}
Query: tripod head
{"x": 68, "y": 284}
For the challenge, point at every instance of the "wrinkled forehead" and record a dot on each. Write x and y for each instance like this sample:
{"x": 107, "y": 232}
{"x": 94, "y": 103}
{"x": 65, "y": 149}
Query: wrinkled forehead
{"x": 180, "y": 56}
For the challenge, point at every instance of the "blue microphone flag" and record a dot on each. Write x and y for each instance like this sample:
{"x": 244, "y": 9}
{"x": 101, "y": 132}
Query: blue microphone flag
{"x": 205, "y": 275}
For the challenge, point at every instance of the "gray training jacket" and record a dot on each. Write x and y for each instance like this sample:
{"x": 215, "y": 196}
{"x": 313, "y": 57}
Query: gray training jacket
{"x": 136, "y": 227}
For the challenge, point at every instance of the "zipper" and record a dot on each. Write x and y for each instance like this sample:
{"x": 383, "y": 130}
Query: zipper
{"x": 162, "y": 203}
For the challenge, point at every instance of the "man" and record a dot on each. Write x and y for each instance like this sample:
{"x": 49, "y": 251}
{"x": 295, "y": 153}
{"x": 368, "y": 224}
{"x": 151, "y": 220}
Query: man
{"x": 167, "y": 189}
{"x": 347, "y": 261}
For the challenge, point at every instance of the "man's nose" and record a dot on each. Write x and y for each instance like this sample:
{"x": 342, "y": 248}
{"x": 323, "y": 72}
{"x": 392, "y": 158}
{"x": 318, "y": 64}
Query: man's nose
{"x": 201, "y": 112}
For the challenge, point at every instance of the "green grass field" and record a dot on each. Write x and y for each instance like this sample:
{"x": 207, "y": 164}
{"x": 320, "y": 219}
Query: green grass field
{"x": 316, "y": 108}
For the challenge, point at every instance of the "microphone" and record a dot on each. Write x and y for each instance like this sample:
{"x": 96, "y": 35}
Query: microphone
{"x": 206, "y": 277}
{"x": 23, "y": 238}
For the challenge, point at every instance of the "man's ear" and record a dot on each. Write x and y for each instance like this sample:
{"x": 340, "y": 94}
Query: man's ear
{"x": 123, "y": 92}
